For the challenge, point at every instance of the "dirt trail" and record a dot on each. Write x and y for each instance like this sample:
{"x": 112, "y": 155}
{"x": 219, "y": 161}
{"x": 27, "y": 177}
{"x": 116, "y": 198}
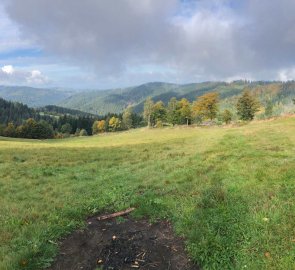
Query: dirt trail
{"x": 129, "y": 244}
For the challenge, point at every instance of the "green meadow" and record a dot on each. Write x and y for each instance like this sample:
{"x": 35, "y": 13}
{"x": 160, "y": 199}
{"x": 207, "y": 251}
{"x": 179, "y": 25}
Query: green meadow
{"x": 229, "y": 191}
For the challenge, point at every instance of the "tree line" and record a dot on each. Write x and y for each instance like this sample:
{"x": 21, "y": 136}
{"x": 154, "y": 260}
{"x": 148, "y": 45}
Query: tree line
{"x": 205, "y": 108}
{"x": 18, "y": 120}
{"x": 155, "y": 114}
{"x": 181, "y": 112}
{"x": 66, "y": 126}
{"x": 118, "y": 122}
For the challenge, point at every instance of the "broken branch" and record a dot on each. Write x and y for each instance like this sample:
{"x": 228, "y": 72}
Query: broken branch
{"x": 117, "y": 214}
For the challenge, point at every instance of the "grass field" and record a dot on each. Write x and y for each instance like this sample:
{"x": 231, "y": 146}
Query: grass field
{"x": 229, "y": 191}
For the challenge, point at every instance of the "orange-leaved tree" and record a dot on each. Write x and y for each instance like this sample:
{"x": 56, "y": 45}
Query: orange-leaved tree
{"x": 98, "y": 126}
{"x": 101, "y": 126}
{"x": 206, "y": 106}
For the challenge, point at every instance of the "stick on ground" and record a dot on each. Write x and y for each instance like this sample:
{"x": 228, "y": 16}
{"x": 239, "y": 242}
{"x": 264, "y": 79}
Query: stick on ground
{"x": 117, "y": 214}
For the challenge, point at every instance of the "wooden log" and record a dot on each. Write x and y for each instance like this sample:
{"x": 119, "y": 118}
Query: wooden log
{"x": 117, "y": 214}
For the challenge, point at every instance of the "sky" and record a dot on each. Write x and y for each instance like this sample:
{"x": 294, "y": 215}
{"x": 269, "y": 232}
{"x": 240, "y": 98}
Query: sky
{"x": 93, "y": 44}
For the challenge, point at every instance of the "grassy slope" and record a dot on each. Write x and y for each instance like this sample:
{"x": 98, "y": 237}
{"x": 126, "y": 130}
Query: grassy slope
{"x": 229, "y": 191}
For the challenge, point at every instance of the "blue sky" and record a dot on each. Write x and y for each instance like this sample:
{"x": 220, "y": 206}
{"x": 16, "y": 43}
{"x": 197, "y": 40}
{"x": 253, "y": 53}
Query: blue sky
{"x": 116, "y": 43}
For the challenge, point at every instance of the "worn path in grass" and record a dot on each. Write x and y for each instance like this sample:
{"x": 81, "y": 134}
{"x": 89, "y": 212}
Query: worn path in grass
{"x": 228, "y": 191}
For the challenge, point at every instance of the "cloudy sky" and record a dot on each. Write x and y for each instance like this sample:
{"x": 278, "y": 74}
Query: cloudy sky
{"x": 116, "y": 43}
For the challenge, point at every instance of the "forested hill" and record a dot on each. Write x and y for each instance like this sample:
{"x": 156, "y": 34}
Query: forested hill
{"x": 17, "y": 112}
{"x": 34, "y": 97}
{"x": 116, "y": 100}
{"x": 57, "y": 110}
{"x": 102, "y": 102}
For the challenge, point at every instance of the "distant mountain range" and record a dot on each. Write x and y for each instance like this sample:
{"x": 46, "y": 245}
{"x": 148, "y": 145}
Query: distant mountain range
{"x": 116, "y": 100}
{"x": 34, "y": 97}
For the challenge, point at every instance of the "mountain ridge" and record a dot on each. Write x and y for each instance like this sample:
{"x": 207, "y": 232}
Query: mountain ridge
{"x": 33, "y": 96}
{"x": 101, "y": 102}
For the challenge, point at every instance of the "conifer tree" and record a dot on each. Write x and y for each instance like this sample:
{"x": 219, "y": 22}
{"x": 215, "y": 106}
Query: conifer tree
{"x": 227, "y": 116}
{"x": 247, "y": 106}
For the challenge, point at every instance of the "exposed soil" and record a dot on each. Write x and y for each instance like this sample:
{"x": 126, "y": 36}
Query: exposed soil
{"x": 130, "y": 244}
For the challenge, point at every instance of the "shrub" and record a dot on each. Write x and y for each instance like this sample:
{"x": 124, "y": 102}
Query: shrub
{"x": 66, "y": 128}
{"x": 159, "y": 124}
{"x": 227, "y": 116}
{"x": 83, "y": 132}
{"x": 9, "y": 131}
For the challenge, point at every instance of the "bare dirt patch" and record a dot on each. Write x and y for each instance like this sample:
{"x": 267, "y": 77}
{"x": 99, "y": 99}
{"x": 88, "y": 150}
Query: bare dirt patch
{"x": 128, "y": 244}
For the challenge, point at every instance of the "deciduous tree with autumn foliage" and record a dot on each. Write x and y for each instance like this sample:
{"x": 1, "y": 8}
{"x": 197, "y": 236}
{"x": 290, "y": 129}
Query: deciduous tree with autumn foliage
{"x": 114, "y": 124}
{"x": 206, "y": 106}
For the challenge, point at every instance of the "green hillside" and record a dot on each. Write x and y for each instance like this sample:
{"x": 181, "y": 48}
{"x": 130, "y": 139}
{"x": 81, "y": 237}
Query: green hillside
{"x": 57, "y": 110}
{"x": 101, "y": 102}
{"x": 15, "y": 112}
{"x": 116, "y": 100}
{"x": 34, "y": 97}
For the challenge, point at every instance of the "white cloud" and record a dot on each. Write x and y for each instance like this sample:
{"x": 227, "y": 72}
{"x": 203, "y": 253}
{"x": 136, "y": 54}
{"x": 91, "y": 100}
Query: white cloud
{"x": 10, "y": 75}
{"x": 286, "y": 74}
{"x": 36, "y": 77}
{"x": 216, "y": 39}
{"x": 8, "y": 69}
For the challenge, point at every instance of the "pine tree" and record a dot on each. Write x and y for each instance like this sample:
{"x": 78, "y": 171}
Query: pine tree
{"x": 269, "y": 109}
{"x": 2, "y": 127}
{"x": 247, "y": 106}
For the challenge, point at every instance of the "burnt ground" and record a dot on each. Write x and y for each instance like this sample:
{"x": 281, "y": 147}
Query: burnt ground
{"x": 128, "y": 244}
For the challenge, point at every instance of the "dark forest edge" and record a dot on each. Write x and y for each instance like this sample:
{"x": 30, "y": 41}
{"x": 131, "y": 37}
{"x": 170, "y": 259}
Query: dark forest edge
{"x": 19, "y": 121}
